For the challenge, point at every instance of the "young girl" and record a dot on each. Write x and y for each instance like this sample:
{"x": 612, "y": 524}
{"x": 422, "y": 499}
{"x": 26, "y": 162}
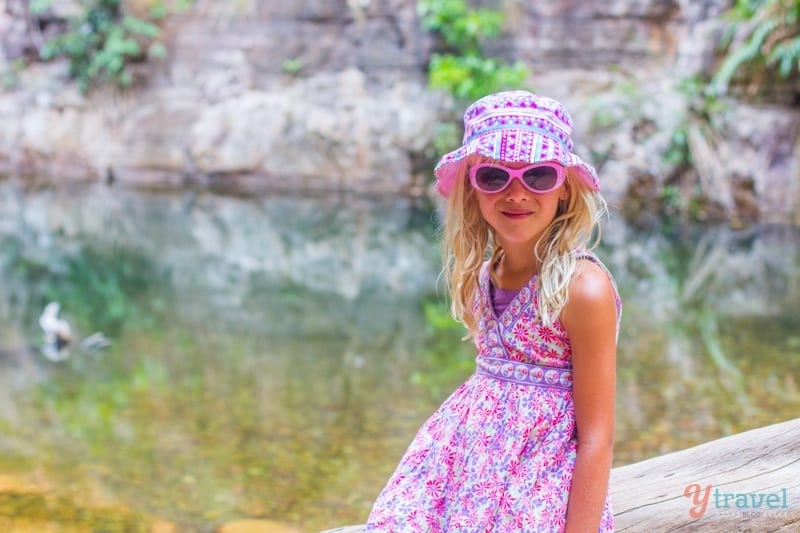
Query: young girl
{"x": 525, "y": 444}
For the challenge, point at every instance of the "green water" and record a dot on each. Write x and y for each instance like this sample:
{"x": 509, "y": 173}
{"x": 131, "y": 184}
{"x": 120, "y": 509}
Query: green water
{"x": 273, "y": 357}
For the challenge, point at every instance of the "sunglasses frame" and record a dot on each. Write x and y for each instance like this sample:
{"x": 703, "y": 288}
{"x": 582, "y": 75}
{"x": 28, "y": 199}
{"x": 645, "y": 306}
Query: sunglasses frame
{"x": 517, "y": 173}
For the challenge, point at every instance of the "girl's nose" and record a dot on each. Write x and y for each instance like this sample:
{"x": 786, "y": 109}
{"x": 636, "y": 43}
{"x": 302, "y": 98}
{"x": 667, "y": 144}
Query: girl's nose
{"x": 516, "y": 191}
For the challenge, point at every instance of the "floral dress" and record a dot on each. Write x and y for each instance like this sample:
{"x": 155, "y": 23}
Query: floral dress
{"x": 499, "y": 453}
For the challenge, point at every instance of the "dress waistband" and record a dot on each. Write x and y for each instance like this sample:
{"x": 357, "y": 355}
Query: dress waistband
{"x": 524, "y": 373}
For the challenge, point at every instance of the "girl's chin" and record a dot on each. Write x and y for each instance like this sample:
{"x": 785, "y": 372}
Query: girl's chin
{"x": 513, "y": 238}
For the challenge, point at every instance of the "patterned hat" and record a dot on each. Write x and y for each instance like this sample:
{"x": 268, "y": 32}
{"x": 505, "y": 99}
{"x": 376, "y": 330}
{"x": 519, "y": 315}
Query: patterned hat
{"x": 515, "y": 127}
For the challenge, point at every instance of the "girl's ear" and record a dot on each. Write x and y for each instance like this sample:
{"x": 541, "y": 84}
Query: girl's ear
{"x": 565, "y": 191}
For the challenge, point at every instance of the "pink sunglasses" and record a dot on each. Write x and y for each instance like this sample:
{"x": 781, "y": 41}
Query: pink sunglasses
{"x": 538, "y": 178}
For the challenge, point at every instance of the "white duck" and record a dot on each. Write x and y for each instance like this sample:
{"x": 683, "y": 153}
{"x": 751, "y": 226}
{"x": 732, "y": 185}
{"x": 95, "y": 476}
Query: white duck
{"x": 58, "y": 335}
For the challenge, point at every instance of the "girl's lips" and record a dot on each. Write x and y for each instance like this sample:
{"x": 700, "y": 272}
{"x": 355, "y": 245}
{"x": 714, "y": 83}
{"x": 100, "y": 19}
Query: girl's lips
{"x": 517, "y": 214}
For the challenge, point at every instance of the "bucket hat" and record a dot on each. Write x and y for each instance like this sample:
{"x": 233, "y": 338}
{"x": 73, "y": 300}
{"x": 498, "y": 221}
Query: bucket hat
{"x": 515, "y": 127}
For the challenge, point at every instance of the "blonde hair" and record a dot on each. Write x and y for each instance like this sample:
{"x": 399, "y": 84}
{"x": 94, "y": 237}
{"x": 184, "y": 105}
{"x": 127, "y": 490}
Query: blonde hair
{"x": 468, "y": 241}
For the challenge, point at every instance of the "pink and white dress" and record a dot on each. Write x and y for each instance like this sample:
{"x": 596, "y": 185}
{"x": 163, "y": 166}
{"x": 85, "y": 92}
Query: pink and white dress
{"x": 499, "y": 453}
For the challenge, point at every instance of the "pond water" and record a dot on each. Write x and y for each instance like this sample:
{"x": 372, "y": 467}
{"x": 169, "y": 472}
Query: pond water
{"x": 272, "y": 356}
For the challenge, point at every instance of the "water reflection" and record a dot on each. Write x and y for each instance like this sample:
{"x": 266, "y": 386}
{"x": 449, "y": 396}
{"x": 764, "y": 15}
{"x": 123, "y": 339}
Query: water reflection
{"x": 272, "y": 357}
{"x": 710, "y": 337}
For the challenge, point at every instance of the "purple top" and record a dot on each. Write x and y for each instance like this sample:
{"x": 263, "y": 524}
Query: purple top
{"x": 501, "y": 298}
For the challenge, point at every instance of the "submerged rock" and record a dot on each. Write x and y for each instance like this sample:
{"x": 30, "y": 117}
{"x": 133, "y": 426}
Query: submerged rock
{"x": 256, "y": 526}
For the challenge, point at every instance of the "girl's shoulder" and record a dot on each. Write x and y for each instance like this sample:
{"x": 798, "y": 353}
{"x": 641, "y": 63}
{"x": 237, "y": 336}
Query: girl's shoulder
{"x": 593, "y": 282}
{"x": 589, "y": 262}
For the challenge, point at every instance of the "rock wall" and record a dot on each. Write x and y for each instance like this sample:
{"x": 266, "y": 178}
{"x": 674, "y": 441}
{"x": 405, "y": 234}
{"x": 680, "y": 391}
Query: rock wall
{"x": 332, "y": 94}
{"x": 354, "y": 111}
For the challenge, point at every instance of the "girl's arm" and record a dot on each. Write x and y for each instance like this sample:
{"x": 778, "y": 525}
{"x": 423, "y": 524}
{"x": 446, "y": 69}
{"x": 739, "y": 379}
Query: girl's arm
{"x": 590, "y": 319}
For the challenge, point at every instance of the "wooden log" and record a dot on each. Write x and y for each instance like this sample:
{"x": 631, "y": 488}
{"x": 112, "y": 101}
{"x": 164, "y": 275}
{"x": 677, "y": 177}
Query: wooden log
{"x": 748, "y": 482}
{"x": 745, "y": 482}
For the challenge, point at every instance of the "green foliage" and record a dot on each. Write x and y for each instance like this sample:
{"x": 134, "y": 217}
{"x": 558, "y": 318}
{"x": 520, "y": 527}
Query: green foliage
{"x": 684, "y": 193}
{"x": 40, "y": 6}
{"x": 292, "y": 66}
{"x": 471, "y": 76}
{"x": 610, "y": 109}
{"x": 103, "y": 42}
{"x": 9, "y": 72}
{"x": 703, "y": 107}
{"x": 703, "y": 103}
{"x": 462, "y": 69}
{"x": 459, "y": 26}
{"x": 768, "y": 41}
{"x": 677, "y": 152}
{"x": 671, "y": 196}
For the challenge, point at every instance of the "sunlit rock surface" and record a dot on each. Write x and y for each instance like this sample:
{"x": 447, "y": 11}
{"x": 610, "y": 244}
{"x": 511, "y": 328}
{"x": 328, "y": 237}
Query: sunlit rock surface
{"x": 309, "y": 96}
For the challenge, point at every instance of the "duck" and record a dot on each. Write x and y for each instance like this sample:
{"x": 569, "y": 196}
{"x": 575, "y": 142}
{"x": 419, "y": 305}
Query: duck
{"x": 58, "y": 336}
{"x": 57, "y": 333}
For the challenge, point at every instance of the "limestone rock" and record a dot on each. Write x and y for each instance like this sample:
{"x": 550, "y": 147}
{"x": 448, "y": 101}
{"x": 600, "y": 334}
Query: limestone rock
{"x": 315, "y": 95}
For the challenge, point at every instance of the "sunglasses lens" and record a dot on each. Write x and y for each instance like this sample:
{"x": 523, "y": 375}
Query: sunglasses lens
{"x": 541, "y": 178}
{"x": 491, "y": 179}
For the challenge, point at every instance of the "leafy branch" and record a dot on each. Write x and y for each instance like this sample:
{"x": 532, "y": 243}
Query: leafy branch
{"x": 462, "y": 68}
{"x": 763, "y": 35}
{"x": 104, "y": 41}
